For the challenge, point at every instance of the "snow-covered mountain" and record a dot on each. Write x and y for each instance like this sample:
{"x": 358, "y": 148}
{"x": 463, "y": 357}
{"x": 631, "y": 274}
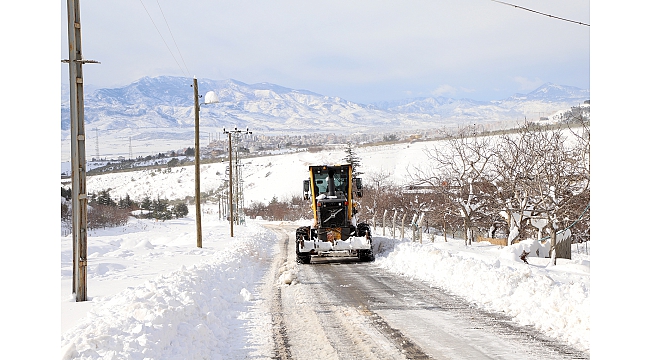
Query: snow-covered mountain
{"x": 553, "y": 93}
{"x": 166, "y": 102}
{"x": 541, "y": 100}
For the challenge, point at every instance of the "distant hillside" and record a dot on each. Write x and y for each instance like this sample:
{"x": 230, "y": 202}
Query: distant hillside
{"x": 166, "y": 102}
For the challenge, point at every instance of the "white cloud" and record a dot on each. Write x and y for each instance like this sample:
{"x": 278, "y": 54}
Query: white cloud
{"x": 444, "y": 90}
{"x": 527, "y": 84}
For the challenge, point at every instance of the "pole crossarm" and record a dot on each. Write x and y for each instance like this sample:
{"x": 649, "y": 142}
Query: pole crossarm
{"x": 81, "y": 61}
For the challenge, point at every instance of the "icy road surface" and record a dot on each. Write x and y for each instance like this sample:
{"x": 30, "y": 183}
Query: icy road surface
{"x": 344, "y": 309}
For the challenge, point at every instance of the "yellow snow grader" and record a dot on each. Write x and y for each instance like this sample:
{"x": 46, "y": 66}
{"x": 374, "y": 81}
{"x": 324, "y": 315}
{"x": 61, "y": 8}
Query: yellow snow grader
{"x": 335, "y": 231}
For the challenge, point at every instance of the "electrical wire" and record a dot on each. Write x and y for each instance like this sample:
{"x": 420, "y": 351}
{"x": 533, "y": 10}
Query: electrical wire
{"x": 163, "y": 39}
{"x": 541, "y": 13}
{"x": 172, "y": 35}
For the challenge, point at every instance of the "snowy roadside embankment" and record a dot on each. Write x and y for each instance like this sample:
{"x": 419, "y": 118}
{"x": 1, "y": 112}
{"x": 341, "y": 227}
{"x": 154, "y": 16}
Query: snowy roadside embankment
{"x": 553, "y": 299}
{"x": 198, "y": 311}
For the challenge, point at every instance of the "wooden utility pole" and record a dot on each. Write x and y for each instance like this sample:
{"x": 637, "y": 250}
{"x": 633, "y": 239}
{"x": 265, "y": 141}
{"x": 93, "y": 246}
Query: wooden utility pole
{"x": 197, "y": 167}
{"x": 77, "y": 154}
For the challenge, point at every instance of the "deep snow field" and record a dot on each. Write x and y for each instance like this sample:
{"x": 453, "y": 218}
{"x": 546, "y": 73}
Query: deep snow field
{"x": 264, "y": 177}
{"x": 154, "y": 294}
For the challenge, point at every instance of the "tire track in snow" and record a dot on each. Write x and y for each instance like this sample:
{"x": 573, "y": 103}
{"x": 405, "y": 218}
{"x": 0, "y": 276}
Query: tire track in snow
{"x": 280, "y": 339}
{"x": 316, "y": 326}
{"x": 390, "y": 299}
{"x": 352, "y": 332}
{"x": 403, "y": 346}
{"x": 320, "y": 328}
{"x": 342, "y": 309}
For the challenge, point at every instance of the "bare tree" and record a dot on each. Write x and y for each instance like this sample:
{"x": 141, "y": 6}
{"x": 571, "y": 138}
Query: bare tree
{"x": 515, "y": 161}
{"x": 443, "y": 212}
{"x": 418, "y": 203}
{"x": 380, "y": 194}
{"x": 544, "y": 176}
{"x": 461, "y": 167}
{"x": 290, "y": 209}
{"x": 560, "y": 179}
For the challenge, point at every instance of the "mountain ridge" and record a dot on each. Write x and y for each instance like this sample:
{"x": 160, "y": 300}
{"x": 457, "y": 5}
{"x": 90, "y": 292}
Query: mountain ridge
{"x": 167, "y": 102}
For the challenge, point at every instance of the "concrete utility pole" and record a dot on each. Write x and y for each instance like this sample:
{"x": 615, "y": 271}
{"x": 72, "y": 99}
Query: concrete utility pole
{"x": 230, "y": 182}
{"x": 77, "y": 154}
{"x": 197, "y": 167}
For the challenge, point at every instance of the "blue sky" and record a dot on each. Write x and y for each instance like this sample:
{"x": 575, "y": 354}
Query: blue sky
{"x": 363, "y": 51}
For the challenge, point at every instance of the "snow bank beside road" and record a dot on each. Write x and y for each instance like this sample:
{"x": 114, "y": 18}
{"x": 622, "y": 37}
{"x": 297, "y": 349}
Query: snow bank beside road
{"x": 195, "y": 312}
{"x": 553, "y": 299}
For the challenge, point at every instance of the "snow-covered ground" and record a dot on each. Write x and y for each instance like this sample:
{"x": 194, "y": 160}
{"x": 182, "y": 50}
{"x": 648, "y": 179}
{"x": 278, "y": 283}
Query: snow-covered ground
{"x": 264, "y": 177}
{"x": 553, "y": 299}
{"x": 154, "y": 294}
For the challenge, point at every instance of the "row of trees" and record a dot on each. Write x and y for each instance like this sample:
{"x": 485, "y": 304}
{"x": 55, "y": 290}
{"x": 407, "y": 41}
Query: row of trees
{"x": 104, "y": 211}
{"x": 532, "y": 183}
{"x": 162, "y": 209}
{"x": 280, "y": 210}
{"x": 522, "y": 185}
{"x": 525, "y": 184}
{"x": 149, "y": 160}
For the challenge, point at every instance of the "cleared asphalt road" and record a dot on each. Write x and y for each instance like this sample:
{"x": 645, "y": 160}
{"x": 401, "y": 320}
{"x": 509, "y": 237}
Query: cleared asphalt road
{"x": 344, "y": 309}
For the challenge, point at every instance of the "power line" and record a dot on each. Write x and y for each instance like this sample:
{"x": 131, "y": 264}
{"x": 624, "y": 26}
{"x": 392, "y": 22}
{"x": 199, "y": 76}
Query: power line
{"x": 170, "y": 33}
{"x": 541, "y": 13}
{"x": 163, "y": 39}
